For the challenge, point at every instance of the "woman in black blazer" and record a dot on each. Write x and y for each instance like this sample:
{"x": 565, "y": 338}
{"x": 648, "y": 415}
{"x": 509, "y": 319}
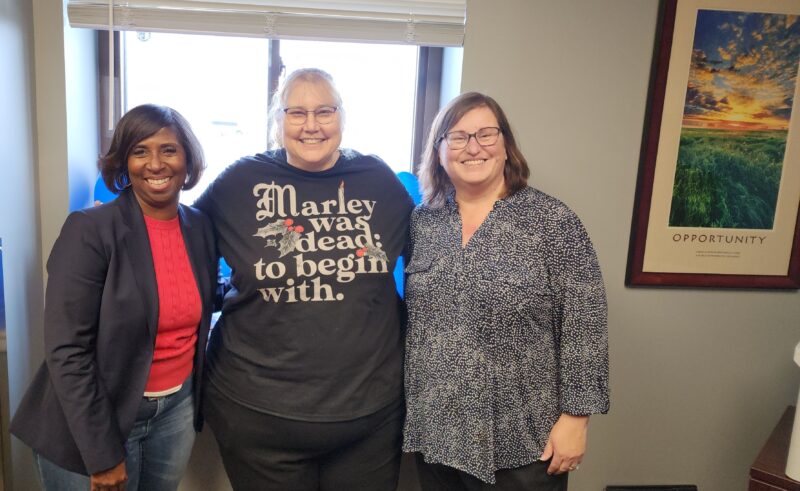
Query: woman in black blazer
{"x": 127, "y": 312}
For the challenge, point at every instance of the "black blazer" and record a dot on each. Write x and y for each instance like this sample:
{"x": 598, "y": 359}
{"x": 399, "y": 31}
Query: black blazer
{"x": 100, "y": 322}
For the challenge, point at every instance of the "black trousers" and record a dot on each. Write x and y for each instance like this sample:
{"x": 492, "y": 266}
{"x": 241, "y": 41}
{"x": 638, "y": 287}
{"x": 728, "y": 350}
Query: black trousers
{"x": 261, "y": 452}
{"x": 531, "y": 477}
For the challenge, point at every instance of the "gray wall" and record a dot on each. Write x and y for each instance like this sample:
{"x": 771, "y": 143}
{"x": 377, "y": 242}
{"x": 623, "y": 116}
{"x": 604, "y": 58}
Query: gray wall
{"x": 699, "y": 377}
{"x": 19, "y": 225}
{"x": 50, "y": 154}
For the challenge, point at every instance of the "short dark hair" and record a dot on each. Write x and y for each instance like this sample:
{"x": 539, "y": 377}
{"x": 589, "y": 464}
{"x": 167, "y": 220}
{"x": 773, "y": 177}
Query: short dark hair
{"x": 434, "y": 182}
{"x": 138, "y": 124}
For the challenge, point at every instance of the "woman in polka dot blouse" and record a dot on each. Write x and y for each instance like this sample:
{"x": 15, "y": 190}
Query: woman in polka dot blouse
{"x": 507, "y": 345}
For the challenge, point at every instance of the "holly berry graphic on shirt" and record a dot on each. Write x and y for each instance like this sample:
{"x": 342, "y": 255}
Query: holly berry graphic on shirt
{"x": 372, "y": 251}
{"x": 289, "y": 233}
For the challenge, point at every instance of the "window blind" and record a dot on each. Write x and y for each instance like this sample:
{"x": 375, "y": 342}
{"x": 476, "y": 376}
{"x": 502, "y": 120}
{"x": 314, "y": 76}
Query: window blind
{"x": 416, "y": 22}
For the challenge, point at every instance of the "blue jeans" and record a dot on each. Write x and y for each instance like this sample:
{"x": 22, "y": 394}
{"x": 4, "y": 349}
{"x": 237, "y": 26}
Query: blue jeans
{"x": 157, "y": 450}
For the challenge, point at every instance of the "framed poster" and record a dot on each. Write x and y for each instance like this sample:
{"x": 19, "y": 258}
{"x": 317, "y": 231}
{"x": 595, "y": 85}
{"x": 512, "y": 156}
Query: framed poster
{"x": 718, "y": 190}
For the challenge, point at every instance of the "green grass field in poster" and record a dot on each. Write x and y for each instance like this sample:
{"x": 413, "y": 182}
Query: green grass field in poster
{"x": 727, "y": 178}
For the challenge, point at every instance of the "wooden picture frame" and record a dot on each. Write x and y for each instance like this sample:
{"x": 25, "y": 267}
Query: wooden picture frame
{"x": 718, "y": 193}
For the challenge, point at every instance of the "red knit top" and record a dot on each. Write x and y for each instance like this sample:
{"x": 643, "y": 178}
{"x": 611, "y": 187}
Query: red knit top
{"x": 179, "y": 308}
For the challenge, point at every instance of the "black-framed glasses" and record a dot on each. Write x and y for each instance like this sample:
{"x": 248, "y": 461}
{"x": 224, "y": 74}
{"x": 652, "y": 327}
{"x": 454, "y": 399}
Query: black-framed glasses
{"x": 322, "y": 115}
{"x": 485, "y": 137}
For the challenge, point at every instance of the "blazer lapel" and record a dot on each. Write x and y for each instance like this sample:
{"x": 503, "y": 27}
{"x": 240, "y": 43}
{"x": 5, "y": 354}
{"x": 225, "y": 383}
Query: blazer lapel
{"x": 195, "y": 243}
{"x": 137, "y": 246}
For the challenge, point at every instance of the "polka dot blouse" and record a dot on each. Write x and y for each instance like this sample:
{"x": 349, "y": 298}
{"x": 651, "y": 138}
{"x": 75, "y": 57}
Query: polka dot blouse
{"x": 504, "y": 335}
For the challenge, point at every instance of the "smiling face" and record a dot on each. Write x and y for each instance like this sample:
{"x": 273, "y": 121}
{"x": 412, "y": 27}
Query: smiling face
{"x": 312, "y": 146}
{"x": 157, "y": 171}
{"x": 475, "y": 169}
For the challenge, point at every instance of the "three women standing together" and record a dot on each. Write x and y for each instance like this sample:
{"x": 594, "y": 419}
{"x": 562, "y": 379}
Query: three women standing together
{"x": 506, "y": 351}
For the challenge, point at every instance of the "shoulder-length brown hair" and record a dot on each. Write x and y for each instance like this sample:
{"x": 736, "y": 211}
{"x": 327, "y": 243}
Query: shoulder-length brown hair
{"x": 141, "y": 123}
{"x": 434, "y": 183}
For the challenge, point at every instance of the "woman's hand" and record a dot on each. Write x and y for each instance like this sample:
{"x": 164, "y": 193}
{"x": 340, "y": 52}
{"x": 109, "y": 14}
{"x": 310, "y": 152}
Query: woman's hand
{"x": 113, "y": 479}
{"x": 566, "y": 444}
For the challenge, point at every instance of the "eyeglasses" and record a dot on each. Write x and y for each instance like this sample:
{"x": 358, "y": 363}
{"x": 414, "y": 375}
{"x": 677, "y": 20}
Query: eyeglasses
{"x": 322, "y": 115}
{"x": 485, "y": 137}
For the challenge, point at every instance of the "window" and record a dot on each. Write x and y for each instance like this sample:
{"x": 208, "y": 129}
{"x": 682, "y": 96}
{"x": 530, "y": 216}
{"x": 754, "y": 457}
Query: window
{"x": 221, "y": 85}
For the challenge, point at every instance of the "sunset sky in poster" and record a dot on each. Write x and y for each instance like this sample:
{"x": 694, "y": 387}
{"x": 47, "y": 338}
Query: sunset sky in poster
{"x": 743, "y": 71}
